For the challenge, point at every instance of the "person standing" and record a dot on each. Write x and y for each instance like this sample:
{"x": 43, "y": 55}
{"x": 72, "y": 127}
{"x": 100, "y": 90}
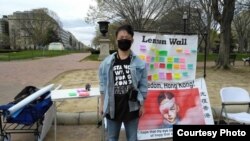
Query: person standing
{"x": 123, "y": 87}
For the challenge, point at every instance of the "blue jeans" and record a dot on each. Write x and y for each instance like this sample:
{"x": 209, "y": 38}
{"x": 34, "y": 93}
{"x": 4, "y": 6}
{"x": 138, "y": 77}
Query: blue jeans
{"x": 114, "y": 128}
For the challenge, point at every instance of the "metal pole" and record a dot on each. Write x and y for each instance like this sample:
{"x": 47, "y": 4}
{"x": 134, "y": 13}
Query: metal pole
{"x": 184, "y": 26}
{"x": 205, "y": 56}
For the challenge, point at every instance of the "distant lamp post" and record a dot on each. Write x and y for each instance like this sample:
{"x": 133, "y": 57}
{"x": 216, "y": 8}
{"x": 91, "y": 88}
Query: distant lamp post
{"x": 104, "y": 41}
{"x": 185, "y": 18}
{"x": 104, "y": 27}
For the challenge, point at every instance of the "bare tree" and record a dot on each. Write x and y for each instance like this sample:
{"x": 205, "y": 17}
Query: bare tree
{"x": 141, "y": 14}
{"x": 224, "y": 18}
{"x": 36, "y": 23}
{"x": 241, "y": 24}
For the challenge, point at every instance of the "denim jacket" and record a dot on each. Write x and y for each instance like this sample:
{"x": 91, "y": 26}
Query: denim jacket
{"x": 139, "y": 80}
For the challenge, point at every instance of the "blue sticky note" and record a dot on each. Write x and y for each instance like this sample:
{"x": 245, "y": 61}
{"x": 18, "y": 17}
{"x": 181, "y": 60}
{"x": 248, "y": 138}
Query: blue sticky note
{"x": 161, "y": 59}
{"x": 190, "y": 66}
{"x": 176, "y": 60}
{"x": 185, "y": 74}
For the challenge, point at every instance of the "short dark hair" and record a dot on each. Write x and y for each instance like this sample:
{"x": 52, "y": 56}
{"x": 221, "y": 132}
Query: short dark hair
{"x": 127, "y": 28}
{"x": 164, "y": 95}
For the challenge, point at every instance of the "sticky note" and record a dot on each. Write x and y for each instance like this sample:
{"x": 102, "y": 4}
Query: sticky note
{"x": 182, "y": 60}
{"x": 150, "y": 78}
{"x": 148, "y": 66}
{"x": 157, "y": 52}
{"x": 151, "y": 66}
{"x": 157, "y": 59}
{"x": 182, "y": 66}
{"x": 156, "y": 65}
{"x": 169, "y": 76}
{"x": 161, "y": 59}
{"x": 177, "y": 76}
{"x": 176, "y": 66}
{"x": 162, "y": 75}
{"x": 81, "y": 90}
{"x": 169, "y": 66}
{"x": 187, "y": 51}
{"x": 72, "y": 94}
{"x": 185, "y": 74}
{"x": 176, "y": 60}
{"x": 148, "y": 59}
{"x": 152, "y": 59}
{"x": 142, "y": 57}
{"x": 179, "y": 50}
{"x": 155, "y": 77}
{"x": 84, "y": 94}
{"x": 152, "y": 48}
{"x": 162, "y": 65}
{"x": 190, "y": 66}
{"x": 143, "y": 48}
{"x": 170, "y": 59}
{"x": 193, "y": 50}
{"x": 163, "y": 53}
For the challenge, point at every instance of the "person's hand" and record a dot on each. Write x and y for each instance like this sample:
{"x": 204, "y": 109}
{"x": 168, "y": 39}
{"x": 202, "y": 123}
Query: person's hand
{"x": 141, "y": 111}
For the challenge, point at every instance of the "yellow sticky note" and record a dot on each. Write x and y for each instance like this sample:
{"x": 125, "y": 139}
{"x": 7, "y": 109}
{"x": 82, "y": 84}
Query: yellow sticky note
{"x": 155, "y": 77}
{"x": 176, "y": 66}
{"x": 170, "y": 59}
{"x": 142, "y": 57}
{"x": 177, "y": 76}
{"x": 152, "y": 48}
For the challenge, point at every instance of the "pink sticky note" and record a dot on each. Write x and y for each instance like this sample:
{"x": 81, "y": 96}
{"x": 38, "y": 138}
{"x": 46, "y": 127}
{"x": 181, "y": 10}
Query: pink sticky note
{"x": 182, "y": 66}
{"x": 148, "y": 59}
{"x": 156, "y": 65}
{"x": 182, "y": 60}
{"x": 187, "y": 51}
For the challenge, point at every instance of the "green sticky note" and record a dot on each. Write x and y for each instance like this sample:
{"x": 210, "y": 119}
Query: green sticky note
{"x": 163, "y": 53}
{"x": 157, "y": 59}
{"x": 169, "y": 66}
{"x": 157, "y": 52}
{"x": 72, "y": 94}
{"x": 151, "y": 66}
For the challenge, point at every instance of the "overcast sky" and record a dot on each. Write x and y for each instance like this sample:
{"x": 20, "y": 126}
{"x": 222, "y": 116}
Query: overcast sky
{"x": 70, "y": 12}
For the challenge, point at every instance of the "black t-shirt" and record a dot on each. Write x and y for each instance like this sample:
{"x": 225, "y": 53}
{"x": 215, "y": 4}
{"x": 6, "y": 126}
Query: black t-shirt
{"x": 121, "y": 87}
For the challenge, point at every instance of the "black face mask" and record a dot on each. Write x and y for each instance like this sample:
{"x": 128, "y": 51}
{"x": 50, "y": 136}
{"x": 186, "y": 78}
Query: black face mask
{"x": 124, "y": 44}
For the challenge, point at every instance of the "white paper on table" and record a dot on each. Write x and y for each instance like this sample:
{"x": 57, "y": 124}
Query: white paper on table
{"x": 29, "y": 99}
{"x": 65, "y": 93}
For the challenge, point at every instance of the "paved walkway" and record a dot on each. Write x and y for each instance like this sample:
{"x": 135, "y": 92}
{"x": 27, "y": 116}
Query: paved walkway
{"x": 15, "y": 75}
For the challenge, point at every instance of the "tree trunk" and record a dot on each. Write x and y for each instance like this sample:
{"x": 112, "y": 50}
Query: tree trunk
{"x": 241, "y": 44}
{"x": 225, "y": 19}
{"x": 223, "y": 60}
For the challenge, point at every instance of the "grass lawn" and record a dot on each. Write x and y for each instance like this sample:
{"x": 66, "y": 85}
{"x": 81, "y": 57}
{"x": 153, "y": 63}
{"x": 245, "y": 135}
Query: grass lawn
{"x": 32, "y": 54}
